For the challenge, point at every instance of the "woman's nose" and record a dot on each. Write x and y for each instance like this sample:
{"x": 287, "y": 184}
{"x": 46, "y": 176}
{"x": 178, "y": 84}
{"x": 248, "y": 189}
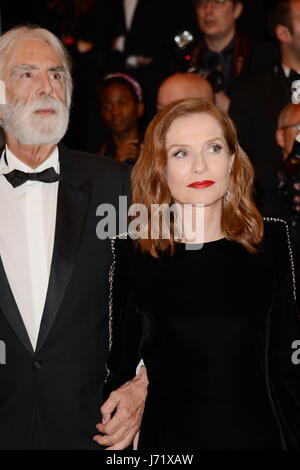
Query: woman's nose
{"x": 115, "y": 109}
{"x": 199, "y": 165}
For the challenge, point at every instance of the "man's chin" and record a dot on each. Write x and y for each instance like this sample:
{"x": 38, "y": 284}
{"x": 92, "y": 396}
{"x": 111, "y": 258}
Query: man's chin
{"x": 40, "y": 138}
{"x": 38, "y": 142}
{"x": 45, "y": 134}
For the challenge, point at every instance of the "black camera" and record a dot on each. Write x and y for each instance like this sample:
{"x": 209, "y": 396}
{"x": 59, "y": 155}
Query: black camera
{"x": 185, "y": 43}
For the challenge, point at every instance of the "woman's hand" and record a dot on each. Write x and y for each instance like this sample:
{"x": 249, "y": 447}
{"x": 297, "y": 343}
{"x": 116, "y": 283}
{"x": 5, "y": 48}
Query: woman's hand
{"x": 127, "y": 150}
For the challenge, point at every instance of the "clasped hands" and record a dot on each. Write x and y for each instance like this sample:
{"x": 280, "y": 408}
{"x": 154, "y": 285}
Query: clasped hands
{"x": 119, "y": 430}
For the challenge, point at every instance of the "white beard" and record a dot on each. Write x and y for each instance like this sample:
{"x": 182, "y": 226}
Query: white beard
{"x": 30, "y": 128}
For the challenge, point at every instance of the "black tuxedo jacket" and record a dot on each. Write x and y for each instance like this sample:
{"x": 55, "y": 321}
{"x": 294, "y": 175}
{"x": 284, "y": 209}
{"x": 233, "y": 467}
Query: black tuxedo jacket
{"x": 255, "y": 107}
{"x": 59, "y": 385}
{"x": 148, "y": 28}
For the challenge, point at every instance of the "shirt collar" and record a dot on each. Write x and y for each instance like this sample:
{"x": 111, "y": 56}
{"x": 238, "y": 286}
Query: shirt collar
{"x": 287, "y": 71}
{"x": 229, "y": 49}
{"x": 14, "y": 163}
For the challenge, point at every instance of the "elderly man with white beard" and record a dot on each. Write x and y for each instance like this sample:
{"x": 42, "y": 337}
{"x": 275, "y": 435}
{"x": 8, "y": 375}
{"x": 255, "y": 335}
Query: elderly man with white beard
{"x": 57, "y": 320}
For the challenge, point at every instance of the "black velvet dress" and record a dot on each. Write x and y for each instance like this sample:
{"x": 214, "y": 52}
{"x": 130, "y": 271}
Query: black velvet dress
{"x": 219, "y": 323}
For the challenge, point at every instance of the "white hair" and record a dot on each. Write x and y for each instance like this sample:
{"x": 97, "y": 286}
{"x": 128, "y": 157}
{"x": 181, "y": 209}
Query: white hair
{"x": 24, "y": 124}
{"x": 20, "y": 33}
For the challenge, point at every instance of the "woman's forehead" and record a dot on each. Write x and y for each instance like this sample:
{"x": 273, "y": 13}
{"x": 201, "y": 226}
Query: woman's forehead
{"x": 195, "y": 124}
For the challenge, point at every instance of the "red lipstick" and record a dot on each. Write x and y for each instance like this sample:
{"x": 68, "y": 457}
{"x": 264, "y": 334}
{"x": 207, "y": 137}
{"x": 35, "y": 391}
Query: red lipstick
{"x": 201, "y": 184}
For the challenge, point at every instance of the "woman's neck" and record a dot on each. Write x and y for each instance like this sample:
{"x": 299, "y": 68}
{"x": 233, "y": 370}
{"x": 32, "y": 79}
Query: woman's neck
{"x": 202, "y": 224}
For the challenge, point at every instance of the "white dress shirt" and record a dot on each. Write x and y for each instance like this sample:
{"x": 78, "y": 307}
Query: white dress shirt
{"x": 129, "y": 7}
{"x": 27, "y": 217}
{"x": 287, "y": 71}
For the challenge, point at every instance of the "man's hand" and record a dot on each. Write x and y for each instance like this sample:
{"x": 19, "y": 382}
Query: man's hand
{"x": 128, "y": 402}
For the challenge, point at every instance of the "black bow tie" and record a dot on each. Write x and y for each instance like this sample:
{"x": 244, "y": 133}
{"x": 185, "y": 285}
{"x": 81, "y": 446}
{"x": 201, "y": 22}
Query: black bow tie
{"x": 17, "y": 177}
{"x": 294, "y": 75}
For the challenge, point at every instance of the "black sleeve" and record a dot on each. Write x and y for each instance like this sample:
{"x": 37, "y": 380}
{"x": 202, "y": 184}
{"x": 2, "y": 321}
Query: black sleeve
{"x": 284, "y": 330}
{"x": 126, "y": 326}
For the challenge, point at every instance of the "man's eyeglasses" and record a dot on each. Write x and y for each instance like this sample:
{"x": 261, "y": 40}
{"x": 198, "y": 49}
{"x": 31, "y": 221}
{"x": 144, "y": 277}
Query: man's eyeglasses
{"x": 214, "y": 3}
{"x": 295, "y": 126}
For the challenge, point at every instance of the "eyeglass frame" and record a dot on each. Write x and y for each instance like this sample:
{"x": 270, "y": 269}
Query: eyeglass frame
{"x": 288, "y": 126}
{"x": 214, "y": 3}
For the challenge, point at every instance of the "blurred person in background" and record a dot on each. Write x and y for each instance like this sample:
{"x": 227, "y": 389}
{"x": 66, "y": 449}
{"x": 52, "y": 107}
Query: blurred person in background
{"x": 288, "y": 138}
{"x": 88, "y": 36}
{"x": 257, "y": 102}
{"x": 223, "y": 53}
{"x": 288, "y": 128}
{"x": 222, "y": 49}
{"x": 122, "y": 107}
{"x": 141, "y": 31}
{"x": 183, "y": 85}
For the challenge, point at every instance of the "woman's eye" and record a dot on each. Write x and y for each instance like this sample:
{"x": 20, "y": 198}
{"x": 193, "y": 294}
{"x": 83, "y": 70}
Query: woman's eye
{"x": 106, "y": 107}
{"x": 215, "y": 148}
{"x": 180, "y": 153}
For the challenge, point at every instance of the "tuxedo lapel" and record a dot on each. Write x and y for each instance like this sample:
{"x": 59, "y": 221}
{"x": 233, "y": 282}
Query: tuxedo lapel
{"x": 72, "y": 205}
{"x": 276, "y": 84}
{"x": 138, "y": 15}
{"x": 10, "y": 310}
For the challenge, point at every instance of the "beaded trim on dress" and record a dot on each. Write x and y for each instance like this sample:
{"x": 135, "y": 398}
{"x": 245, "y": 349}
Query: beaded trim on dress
{"x": 113, "y": 265}
{"x": 274, "y": 219}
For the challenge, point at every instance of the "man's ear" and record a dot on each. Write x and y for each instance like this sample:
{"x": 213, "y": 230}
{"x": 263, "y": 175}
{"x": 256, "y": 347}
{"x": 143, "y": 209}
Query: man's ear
{"x": 140, "y": 109}
{"x": 283, "y": 34}
{"x": 279, "y": 137}
{"x": 2, "y": 92}
{"x": 238, "y": 10}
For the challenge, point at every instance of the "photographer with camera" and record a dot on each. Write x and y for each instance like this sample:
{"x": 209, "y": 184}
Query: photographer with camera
{"x": 257, "y": 102}
{"x": 222, "y": 52}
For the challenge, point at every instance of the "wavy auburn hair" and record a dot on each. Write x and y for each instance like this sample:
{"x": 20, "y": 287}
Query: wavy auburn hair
{"x": 241, "y": 220}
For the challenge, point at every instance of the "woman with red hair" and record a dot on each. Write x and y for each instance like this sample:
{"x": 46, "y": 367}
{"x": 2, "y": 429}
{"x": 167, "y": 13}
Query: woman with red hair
{"x": 218, "y": 306}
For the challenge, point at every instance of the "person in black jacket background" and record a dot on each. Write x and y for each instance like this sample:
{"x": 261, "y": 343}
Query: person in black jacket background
{"x": 257, "y": 102}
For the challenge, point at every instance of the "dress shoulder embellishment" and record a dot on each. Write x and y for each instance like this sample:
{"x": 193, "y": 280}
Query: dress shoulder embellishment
{"x": 274, "y": 219}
